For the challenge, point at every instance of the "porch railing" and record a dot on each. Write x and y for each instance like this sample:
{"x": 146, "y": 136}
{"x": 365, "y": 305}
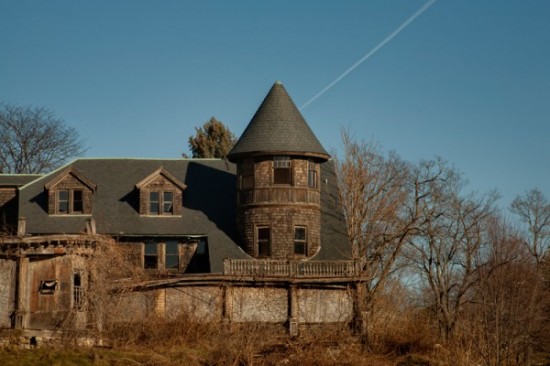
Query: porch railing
{"x": 290, "y": 268}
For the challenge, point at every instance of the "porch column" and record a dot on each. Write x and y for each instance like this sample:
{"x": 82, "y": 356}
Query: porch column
{"x": 292, "y": 310}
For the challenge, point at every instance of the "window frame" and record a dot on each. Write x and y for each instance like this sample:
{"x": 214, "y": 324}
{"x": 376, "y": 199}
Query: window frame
{"x": 168, "y": 255}
{"x": 282, "y": 164}
{"x": 300, "y": 241}
{"x": 312, "y": 175}
{"x": 151, "y": 254}
{"x": 69, "y": 201}
{"x": 262, "y": 242}
{"x": 160, "y": 203}
{"x": 247, "y": 174}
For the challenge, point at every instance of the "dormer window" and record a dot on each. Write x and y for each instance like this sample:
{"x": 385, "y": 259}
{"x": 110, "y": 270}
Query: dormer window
{"x": 161, "y": 203}
{"x": 69, "y": 201}
{"x": 70, "y": 193}
{"x": 282, "y": 170}
{"x": 160, "y": 194}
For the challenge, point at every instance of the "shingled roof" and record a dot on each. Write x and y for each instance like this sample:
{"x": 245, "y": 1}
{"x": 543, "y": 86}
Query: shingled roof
{"x": 17, "y": 180}
{"x": 278, "y": 127}
{"x": 208, "y": 205}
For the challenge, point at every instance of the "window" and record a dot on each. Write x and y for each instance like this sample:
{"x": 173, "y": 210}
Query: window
{"x": 154, "y": 202}
{"x": 63, "y": 201}
{"x": 172, "y": 256}
{"x": 264, "y": 242}
{"x": 282, "y": 170}
{"x": 70, "y": 201}
{"x": 168, "y": 202}
{"x": 77, "y": 201}
{"x": 312, "y": 175}
{"x": 150, "y": 256}
{"x": 161, "y": 203}
{"x": 78, "y": 291}
{"x": 300, "y": 240}
{"x": 162, "y": 255}
{"x": 247, "y": 174}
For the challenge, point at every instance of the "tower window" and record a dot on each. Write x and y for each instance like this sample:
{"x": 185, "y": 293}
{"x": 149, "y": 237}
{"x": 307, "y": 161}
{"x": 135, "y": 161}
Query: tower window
{"x": 282, "y": 170}
{"x": 247, "y": 174}
{"x": 264, "y": 241}
{"x": 312, "y": 175}
{"x": 300, "y": 240}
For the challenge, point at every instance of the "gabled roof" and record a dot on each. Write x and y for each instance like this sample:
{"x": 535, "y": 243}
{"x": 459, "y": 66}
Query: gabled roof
{"x": 75, "y": 173}
{"x": 278, "y": 127}
{"x": 165, "y": 173}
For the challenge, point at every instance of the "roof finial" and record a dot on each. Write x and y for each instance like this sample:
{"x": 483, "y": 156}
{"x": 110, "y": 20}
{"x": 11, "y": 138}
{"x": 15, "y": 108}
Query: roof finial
{"x": 278, "y": 82}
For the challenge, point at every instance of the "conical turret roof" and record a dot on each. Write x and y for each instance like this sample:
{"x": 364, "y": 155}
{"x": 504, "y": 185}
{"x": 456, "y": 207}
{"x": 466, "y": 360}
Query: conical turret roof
{"x": 277, "y": 128}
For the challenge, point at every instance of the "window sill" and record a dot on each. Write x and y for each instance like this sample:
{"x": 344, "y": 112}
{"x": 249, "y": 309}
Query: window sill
{"x": 163, "y": 216}
{"x": 71, "y": 215}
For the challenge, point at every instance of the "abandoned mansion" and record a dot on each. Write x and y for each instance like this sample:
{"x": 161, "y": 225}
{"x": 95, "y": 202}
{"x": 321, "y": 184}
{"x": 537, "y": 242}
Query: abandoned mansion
{"x": 257, "y": 237}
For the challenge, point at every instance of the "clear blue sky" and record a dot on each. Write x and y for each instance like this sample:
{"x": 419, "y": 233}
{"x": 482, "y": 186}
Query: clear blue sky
{"x": 468, "y": 80}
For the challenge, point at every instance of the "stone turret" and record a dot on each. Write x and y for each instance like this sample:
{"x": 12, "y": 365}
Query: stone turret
{"x": 278, "y": 193}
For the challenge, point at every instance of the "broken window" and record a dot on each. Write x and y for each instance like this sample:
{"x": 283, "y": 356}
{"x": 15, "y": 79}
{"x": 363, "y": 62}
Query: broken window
{"x": 47, "y": 287}
{"x": 168, "y": 202}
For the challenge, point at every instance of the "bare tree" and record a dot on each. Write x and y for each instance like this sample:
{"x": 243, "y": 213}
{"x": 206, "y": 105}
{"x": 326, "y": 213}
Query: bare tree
{"x": 34, "y": 140}
{"x": 383, "y": 200}
{"x": 447, "y": 249}
{"x": 212, "y": 140}
{"x": 510, "y": 301}
{"x": 533, "y": 208}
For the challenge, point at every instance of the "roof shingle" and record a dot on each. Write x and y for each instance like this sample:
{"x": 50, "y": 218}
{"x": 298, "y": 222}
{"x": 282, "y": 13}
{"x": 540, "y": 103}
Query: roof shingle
{"x": 277, "y": 127}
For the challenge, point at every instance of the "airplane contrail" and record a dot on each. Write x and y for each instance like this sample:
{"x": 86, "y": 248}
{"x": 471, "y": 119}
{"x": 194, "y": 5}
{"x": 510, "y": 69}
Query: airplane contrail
{"x": 373, "y": 51}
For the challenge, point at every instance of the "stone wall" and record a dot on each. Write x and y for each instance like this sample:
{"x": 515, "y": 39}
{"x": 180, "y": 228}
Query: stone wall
{"x": 281, "y": 220}
{"x": 238, "y": 304}
{"x": 281, "y": 207}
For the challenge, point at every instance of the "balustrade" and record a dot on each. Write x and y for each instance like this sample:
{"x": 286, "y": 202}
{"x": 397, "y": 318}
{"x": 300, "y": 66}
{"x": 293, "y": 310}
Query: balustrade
{"x": 289, "y": 268}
